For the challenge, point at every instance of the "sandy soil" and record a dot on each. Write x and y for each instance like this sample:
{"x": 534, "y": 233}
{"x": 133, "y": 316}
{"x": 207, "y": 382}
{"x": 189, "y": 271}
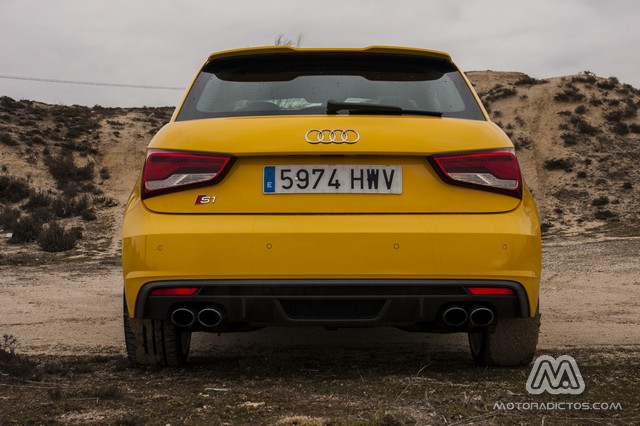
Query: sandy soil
{"x": 590, "y": 298}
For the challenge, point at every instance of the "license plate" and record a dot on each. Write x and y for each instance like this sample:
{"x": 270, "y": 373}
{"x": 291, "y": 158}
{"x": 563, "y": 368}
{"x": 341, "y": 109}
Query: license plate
{"x": 332, "y": 179}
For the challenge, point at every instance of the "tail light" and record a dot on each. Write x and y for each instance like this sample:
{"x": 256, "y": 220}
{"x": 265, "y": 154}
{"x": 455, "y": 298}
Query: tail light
{"x": 495, "y": 171}
{"x": 174, "y": 291}
{"x": 492, "y": 291}
{"x": 167, "y": 171}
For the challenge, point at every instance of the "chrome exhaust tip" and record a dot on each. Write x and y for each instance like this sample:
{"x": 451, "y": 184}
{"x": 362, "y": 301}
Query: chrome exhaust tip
{"x": 209, "y": 317}
{"x": 183, "y": 317}
{"x": 481, "y": 317}
{"x": 454, "y": 316}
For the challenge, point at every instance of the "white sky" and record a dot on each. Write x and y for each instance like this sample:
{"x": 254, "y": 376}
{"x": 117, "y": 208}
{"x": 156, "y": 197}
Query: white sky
{"x": 163, "y": 42}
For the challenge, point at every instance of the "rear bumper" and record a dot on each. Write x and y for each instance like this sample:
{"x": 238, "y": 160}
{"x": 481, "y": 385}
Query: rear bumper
{"x": 246, "y": 304}
{"x": 234, "y": 251}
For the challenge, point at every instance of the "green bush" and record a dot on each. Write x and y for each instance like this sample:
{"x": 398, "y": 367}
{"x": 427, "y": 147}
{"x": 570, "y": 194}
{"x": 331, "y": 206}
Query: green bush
{"x": 88, "y": 215}
{"x": 605, "y": 215}
{"x": 8, "y": 217}
{"x": 104, "y": 173}
{"x": 570, "y": 138}
{"x": 565, "y": 164}
{"x": 584, "y": 77}
{"x": 13, "y": 189}
{"x": 8, "y": 140}
{"x": 620, "y": 129}
{"x": 55, "y": 238}
{"x": 25, "y": 230}
{"x": 69, "y": 207}
{"x": 608, "y": 84}
{"x": 570, "y": 93}
{"x": 498, "y": 92}
{"x": 14, "y": 365}
{"x": 38, "y": 199}
{"x": 600, "y": 201}
{"x": 582, "y": 125}
{"x": 529, "y": 81}
{"x": 64, "y": 169}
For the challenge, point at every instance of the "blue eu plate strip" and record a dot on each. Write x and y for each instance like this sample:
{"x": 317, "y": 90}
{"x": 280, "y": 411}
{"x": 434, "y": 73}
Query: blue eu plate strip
{"x": 269, "y": 179}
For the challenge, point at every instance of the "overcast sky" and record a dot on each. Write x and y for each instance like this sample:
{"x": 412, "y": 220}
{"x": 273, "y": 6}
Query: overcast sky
{"x": 163, "y": 43}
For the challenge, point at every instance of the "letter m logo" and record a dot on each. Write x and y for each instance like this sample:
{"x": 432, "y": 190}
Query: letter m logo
{"x": 555, "y": 375}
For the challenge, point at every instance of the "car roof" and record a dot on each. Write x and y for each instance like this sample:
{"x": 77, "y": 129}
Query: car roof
{"x": 371, "y": 49}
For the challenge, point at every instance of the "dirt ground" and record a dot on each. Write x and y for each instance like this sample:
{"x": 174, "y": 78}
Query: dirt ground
{"x": 66, "y": 319}
{"x": 590, "y": 298}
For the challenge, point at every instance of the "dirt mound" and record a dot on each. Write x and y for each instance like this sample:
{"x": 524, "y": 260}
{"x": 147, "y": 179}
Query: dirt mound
{"x": 577, "y": 138}
{"x": 578, "y": 142}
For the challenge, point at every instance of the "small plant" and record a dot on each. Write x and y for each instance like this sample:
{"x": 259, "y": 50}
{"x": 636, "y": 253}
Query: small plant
{"x": 613, "y": 102}
{"x": 8, "y": 217}
{"x": 25, "y": 230}
{"x": 54, "y": 238}
{"x": 593, "y": 101}
{"x": 64, "y": 169}
{"x": 8, "y": 140}
{"x": 13, "y": 189}
{"x": 38, "y": 199}
{"x": 529, "y": 81}
{"x": 69, "y": 207}
{"x": 88, "y": 215}
{"x": 614, "y": 116}
{"x": 498, "y": 92}
{"x": 105, "y": 201}
{"x": 582, "y": 125}
{"x": 608, "y": 84}
{"x": 565, "y": 164}
{"x": 522, "y": 142}
{"x": 104, "y": 173}
{"x": 620, "y": 129}
{"x": 580, "y": 109}
{"x": 570, "y": 93}
{"x": 605, "y": 215}
{"x": 585, "y": 77}
{"x": 13, "y": 364}
{"x": 8, "y": 344}
{"x": 600, "y": 201}
{"x": 569, "y": 138}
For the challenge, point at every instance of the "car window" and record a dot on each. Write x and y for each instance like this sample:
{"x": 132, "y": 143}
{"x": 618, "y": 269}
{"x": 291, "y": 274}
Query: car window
{"x": 303, "y": 83}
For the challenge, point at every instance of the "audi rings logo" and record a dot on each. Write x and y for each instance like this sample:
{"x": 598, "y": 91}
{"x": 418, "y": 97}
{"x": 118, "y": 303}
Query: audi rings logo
{"x": 326, "y": 136}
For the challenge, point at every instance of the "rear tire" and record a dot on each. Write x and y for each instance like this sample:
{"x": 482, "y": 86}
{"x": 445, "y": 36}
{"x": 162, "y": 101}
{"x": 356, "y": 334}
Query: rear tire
{"x": 513, "y": 343}
{"x": 155, "y": 342}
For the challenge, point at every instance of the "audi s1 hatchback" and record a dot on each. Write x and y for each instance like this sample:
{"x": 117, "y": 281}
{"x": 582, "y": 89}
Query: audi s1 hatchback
{"x": 331, "y": 187}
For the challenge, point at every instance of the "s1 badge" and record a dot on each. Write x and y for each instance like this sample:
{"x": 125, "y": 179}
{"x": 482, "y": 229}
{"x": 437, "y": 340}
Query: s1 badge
{"x": 205, "y": 199}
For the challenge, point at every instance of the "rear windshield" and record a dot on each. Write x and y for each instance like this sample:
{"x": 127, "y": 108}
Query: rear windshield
{"x": 304, "y": 83}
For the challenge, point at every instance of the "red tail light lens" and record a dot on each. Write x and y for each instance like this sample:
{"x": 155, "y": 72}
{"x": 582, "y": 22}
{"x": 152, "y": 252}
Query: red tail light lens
{"x": 174, "y": 291}
{"x": 495, "y": 171}
{"x": 490, "y": 290}
{"x": 166, "y": 171}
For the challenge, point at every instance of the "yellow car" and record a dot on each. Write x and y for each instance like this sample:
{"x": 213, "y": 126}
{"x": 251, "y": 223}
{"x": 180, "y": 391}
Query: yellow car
{"x": 331, "y": 187}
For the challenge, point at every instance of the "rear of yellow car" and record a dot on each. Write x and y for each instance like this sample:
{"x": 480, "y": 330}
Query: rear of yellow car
{"x": 341, "y": 188}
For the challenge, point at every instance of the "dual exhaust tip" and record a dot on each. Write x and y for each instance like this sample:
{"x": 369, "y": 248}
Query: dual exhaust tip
{"x": 477, "y": 316}
{"x": 453, "y": 316}
{"x": 186, "y": 317}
